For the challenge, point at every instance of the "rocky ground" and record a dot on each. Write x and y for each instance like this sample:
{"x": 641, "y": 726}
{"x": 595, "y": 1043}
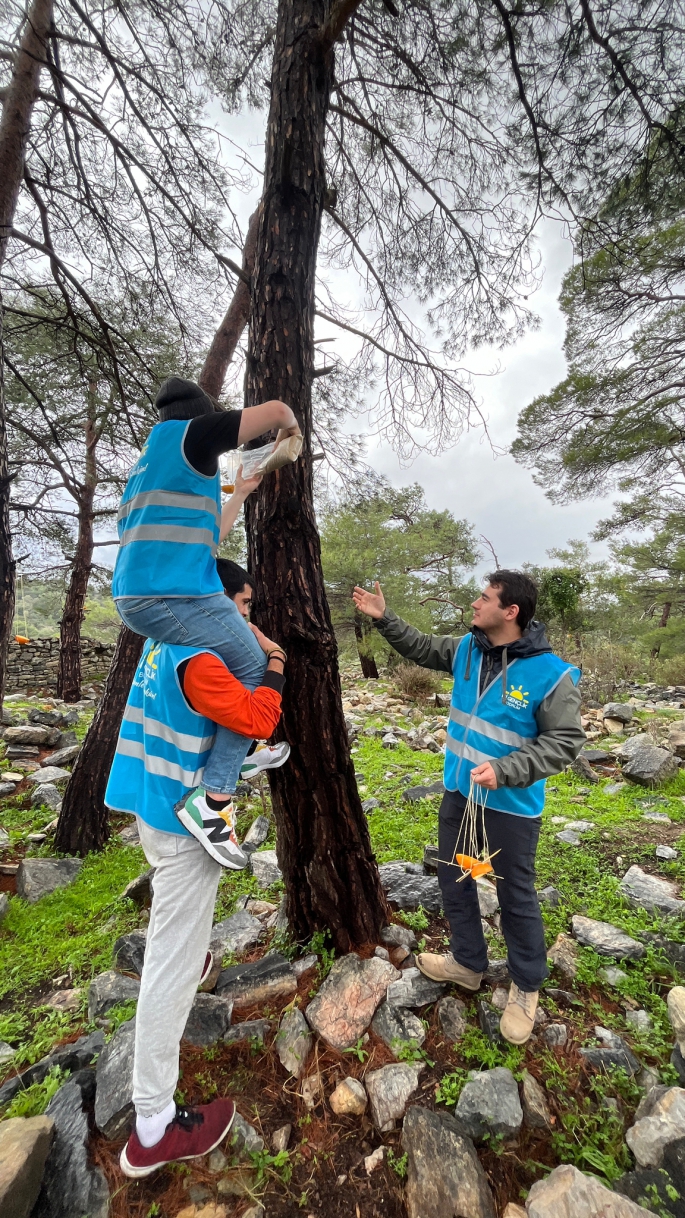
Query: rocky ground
{"x": 362, "y": 1088}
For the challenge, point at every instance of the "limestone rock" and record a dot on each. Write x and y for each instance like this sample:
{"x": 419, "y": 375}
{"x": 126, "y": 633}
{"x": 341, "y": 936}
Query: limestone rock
{"x": 129, "y": 952}
{"x": 24, "y": 1147}
{"x": 38, "y": 877}
{"x": 452, "y": 1017}
{"x": 397, "y": 1027}
{"x": 633, "y": 744}
{"x": 414, "y": 794}
{"x": 305, "y": 964}
{"x": 256, "y": 834}
{"x": 4, "y": 905}
{"x": 312, "y": 1092}
{"x": 445, "y": 1178}
{"x": 550, "y": 896}
{"x": 567, "y": 1193}
{"x": 650, "y": 892}
{"x": 265, "y": 868}
{"x": 389, "y": 1090}
{"x": 46, "y": 794}
{"x": 7, "y": 788}
{"x": 374, "y": 1160}
{"x": 666, "y": 1123}
{"x": 555, "y": 1035}
{"x": 64, "y": 1000}
{"x": 349, "y": 1098}
{"x": 514, "y": 1211}
{"x": 666, "y": 853}
{"x": 140, "y": 890}
{"x": 407, "y": 887}
{"x": 69, "y": 1057}
{"x": 114, "y": 1082}
{"x": 676, "y": 741}
{"x": 71, "y": 1185}
{"x": 280, "y": 1139}
{"x": 489, "y": 1104}
{"x": 260, "y": 982}
{"x": 237, "y": 933}
{"x": 564, "y": 956}
{"x": 607, "y": 940}
{"x": 414, "y": 990}
{"x": 488, "y": 901}
{"x": 346, "y": 1002}
{"x": 650, "y": 766}
{"x": 210, "y": 1016}
{"x": 107, "y": 990}
{"x": 568, "y": 837}
{"x": 37, "y": 734}
{"x": 614, "y": 1052}
{"x": 621, "y": 711}
{"x": 294, "y": 1042}
{"x": 399, "y": 936}
{"x": 48, "y": 774}
{"x": 676, "y": 1013}
{"x": 62, "y": 756}
{"x": 536, "y": 1114}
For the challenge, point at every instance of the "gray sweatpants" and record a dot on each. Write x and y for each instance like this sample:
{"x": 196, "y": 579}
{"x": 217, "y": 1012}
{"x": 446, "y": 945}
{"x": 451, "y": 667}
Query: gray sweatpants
{"x": 184, "y": 894}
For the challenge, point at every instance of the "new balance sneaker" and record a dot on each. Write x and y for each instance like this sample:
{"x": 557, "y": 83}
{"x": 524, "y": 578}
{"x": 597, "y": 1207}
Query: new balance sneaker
{"x": 192, "y": 1133}
{"x": 265, "y": 757}
{"x": 215, "y": 830}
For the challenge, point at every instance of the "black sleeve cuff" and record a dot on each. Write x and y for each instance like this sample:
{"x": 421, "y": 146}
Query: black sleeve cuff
{"x": 274, "y": 680}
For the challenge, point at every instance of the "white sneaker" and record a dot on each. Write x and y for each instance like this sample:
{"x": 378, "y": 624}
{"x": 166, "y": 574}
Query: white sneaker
{"x": 213, "y": 829}
{"x": 265, "y": 757}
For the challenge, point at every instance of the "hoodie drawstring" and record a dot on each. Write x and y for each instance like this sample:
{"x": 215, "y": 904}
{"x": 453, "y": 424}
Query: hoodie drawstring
{"x": 467, "y": 674}
{"x": 504, "y": 675}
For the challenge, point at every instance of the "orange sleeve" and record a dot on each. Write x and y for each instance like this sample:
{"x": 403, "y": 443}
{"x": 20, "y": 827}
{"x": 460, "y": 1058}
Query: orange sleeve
{"x": 213, "y": 691}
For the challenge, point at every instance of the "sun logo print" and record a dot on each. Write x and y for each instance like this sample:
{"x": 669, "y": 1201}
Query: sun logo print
{"x": 517, "y": 697}
{"x": 151, "y": 657}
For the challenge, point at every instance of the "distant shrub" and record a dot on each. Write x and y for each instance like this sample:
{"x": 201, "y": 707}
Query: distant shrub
{"x": 415, "y": 683}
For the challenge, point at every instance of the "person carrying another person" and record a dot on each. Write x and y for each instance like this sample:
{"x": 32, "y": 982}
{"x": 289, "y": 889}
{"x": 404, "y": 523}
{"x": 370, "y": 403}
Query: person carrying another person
{"x": 166, "y": 585}
{"x": 514, "y": 721}
{"x": 179, "y": 697}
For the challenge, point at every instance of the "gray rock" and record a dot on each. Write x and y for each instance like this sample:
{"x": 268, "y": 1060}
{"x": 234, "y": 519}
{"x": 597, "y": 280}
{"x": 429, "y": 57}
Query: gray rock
{"x": 563, "y": 998}
{"x": 237, "y": 933}
{"x": 4, "y": 905}
{"x": 24, "y": 1147}
{"x": 129, "y": 952}
{"x": 71, "y": 1185}
{"x": 581, "y": 826}
{"x": 614, "y": 1052}
{"x": 676, "y": 1013}
{"x": 389, "y": 1090}
{"x": 568, "y": 837}
{"x": 550, "y": 896}
{"x": 536, "y": 1114}
{"x": 633, "y": 744}
{"x": 265, "y": 868}
{"x": 489, "y": 1019}
{"x": 674, "y": 1163}
{"x": 444, "y": 1176}
{"x": 264, "y": 980}
{"x": 280, "y": 1138}
{"x": 615, "y": 788}
{"x": 407, "y": 890}
{"x": 129, "y": 835}
{"x": 648, "y": 1137}
{"x": 567, "y": 1193}
{"x": 48, "y": 774}
{"x": 675, "y": 952}
{"x": 48, "y": 795}
{"x": 399, "y": 936}
{"x": 244, "y": 1137}
{"x": 488, "y": 901}
{"x": 370, "y": 805}
{"x": 114, "y": 1083}
{"x": 210, "y": 1016}
{"x": 649, "y": 1184}
{"x": 389, "y": 741}
{"x": 497, "y": 973}
{"x": 658, "y": 816}
{"x": 140, "y": 890}
{"x": 38, "y": 877}
{"x": 640, "y": 1020}
{"x": 62, "y": 756}
{"x": 75, "y": 1056}
{"x": 294, "y": 1042}
{"x": 581, "y": 766}
{"x": 613, "y": 976}
{"x": 618, "y": 710}
{"x": 397, "y": 1027}
{"x": 667, "y": 853}
{"x": 555, "y": 1035}
{"x": 650, "y": 766}
{"x": 430, "y": 860}
{"x": 347, "y": 1001}
{"x": 607, "y": 940}
{"x": 6, "y": 1051}
{"x": 489, "y": 1104}
{"x": 414, "y": 990}
{"x": 651, "y": 892}
{"x": 452, "y": 1017}
{"x": 256, "y": 834}
{"x": 47, "y": 718}
{"x": 109, "y": 989}
{"x": 414, "y": 794}
{"x": 37, "y": 734}
{"x": 7, "y": 788}
{"x": 253, "y": 1030}
{"x": 303, "y": 966}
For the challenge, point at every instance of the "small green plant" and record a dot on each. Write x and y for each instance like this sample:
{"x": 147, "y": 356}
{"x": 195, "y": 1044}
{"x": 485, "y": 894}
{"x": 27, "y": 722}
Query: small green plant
{"x": 450, "y": 1087}
{"x": 477, "y": 1050}
{"x": 209, "y": 1053}
{"x": 319, "y": 945}
{"x": 154, "y": 1210}
{"x": 359, "y": 1051}
{"x": 416, "y": 921}
{"x": 264, "y": 1162}
{"x": 398, "y": 1163}
{"x": 33, "y": 1100}
{"x": 410, "y": 1051}
{"x": 119, "y": 1014}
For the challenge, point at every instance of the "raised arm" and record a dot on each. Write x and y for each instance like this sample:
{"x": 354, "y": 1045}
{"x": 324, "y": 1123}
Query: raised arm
{"x": 428, "y": 650}
{"x": 256, "y": 420}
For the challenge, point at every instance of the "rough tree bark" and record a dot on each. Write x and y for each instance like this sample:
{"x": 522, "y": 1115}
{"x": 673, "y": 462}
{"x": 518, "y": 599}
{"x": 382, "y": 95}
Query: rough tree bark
{"x": 83, "y": 823}
{"x": 69, "y": 670}
{"x": 324, "y": 847}
{"x": 14, "y": 129}
{"x": 366, "y": 659}
{"x": 228, "y": 335}
{"x": 663, "y": 623}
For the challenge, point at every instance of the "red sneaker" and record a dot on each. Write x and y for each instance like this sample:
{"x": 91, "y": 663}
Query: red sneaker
{"x": 192, "y": 1133}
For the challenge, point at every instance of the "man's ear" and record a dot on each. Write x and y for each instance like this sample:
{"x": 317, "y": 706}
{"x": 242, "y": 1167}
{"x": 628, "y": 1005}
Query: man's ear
{"x": 511, "y": 613}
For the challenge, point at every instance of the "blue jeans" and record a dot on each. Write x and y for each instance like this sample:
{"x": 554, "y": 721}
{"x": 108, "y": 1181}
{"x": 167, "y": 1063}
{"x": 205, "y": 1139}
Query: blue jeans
{"x": 213, "y": 622}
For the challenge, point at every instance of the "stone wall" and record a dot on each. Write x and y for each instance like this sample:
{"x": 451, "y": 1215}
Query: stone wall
{"x": 33, "y": 665}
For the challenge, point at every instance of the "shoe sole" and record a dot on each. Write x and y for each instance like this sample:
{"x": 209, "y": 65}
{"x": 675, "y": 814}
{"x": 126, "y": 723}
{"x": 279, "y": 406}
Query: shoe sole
{"x": 188, "y": 823}
{"x": 472, "y": 989}
{"x": 138, "y": 1173}
{"x": 271, "y": 765}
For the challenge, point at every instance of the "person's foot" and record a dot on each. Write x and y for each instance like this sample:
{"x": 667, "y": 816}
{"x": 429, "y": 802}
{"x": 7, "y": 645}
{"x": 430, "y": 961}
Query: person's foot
{"x": 214, "y": 829}
{"x": 518, "y": 1017}
{"x": 446, "y": 968}
{"x": 265, "y": 757}
{"x": 192, "y": 1133}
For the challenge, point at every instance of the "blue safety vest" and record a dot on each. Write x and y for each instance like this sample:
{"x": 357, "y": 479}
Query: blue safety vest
{"x": 168, "y": 522}
{"x": 163, "y": 744}
{"x": 483, "y": 727}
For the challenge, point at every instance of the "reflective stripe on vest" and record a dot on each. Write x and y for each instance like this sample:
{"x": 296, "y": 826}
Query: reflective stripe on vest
{"x": 163, "y": 744}
{"x": 483, "y": 728}
{"x": 168, "y": 523}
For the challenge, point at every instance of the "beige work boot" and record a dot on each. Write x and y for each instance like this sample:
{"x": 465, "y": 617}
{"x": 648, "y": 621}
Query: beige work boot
{"x": 518, "y": 1017}
{"x": 446, "y": 968}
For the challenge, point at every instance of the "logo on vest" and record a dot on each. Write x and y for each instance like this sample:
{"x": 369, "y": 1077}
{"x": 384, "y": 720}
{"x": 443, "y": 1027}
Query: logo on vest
{"x": 151, "y": 662}
{"x": 517, "y": 697}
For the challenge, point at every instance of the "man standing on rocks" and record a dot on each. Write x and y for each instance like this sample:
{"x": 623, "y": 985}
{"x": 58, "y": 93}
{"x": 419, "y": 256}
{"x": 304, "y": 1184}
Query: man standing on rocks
{"x": 514, "y": 721}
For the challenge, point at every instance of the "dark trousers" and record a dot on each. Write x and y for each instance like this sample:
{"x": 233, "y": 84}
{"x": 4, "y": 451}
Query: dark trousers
{"x": 516, "y": 839}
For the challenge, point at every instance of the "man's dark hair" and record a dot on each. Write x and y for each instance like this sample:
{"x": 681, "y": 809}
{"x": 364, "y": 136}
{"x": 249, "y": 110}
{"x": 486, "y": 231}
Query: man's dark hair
{"x": 233, "y": 576}
{"x": 515, "y": 588}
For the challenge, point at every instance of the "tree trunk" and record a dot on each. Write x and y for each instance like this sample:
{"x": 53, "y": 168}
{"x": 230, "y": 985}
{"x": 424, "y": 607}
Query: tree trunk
{"x": 83, "y": 822}
{"x": 324, "y": 847}
{"x": 228, "y": 335}
{"x": 366, "y": 659}
{"x": 69, "y": 670}
{"x": 14, "y": 129}
{"x": 665, "y": 614}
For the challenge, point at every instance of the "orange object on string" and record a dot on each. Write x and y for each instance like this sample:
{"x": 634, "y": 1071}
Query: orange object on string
{"x": 20, "y": 638}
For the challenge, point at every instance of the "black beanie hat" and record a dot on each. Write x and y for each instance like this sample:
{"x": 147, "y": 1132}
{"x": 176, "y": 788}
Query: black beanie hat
{"x": 179, "y": 399}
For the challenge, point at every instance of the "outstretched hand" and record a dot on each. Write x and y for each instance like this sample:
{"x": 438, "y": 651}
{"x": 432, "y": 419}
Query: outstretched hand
{"x": 245, "y": 486}
{"x": 367, "y": 603}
